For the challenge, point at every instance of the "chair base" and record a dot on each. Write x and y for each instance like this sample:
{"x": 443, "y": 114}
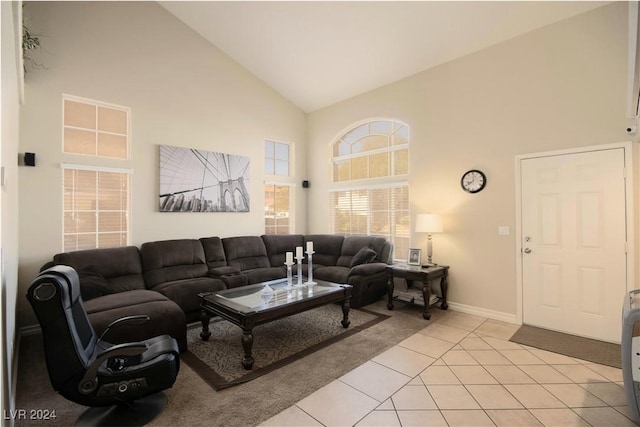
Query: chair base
{"x": 136, "y": 413}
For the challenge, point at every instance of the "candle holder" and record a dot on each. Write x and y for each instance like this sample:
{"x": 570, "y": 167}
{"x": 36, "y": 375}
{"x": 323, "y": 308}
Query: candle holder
{"x": 299, "y": 259}
{"x": 310, "y": 281}
{"x": 289, "y": 278}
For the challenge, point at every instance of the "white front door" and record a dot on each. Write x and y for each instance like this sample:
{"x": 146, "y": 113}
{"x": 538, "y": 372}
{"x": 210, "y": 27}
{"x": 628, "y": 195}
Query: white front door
{"x": 574, "y": 271}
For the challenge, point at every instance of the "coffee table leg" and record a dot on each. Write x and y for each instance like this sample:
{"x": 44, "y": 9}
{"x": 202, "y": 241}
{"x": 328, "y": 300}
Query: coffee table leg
{"x": 346, "y": 305}
{"x": 204, "y": 318}
{"x": 247, "y": 344}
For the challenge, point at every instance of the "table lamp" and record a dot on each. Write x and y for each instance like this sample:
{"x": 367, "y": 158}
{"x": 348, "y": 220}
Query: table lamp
{"x": 429, "y": 223}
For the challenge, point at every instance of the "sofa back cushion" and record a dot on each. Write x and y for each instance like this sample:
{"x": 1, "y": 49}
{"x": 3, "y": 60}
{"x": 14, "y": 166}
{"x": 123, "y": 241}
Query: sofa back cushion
{"x": 327, "y": 248}
{"x": 213, "y": 252}
{"x": 352, "y": 244}
{"x": 278, "y": 245}
{"x": 118, "y": 269}
{"x": 169, "y": 260}
{"x": 246, "y": 252}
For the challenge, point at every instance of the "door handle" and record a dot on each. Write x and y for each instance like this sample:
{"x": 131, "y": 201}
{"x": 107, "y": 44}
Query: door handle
{"x": 527, "y": 250}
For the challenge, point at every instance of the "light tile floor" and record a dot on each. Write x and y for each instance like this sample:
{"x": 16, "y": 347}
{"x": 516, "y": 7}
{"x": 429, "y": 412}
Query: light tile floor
{"x": 462, "y": 370}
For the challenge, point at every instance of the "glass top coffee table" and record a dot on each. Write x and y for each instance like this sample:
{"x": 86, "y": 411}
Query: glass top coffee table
{"x": 250, "y": 306}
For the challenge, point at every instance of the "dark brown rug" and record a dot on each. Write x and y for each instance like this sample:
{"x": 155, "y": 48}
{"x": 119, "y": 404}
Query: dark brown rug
{"x": 604, "y": 353}
{"x": 276, "y": 344}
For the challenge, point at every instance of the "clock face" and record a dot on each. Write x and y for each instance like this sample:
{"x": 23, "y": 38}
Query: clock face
{"x": 473, "y": 181}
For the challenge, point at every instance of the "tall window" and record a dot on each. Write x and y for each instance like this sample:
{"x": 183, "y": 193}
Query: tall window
{"x": 278, "y": 188}
{"x": 370, "y": 193}
{"x": 96, "y": 199}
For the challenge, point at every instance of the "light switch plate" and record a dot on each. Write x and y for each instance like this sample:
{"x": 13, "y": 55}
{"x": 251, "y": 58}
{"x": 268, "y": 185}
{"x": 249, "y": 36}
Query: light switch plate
{"x": 503, "y": 230}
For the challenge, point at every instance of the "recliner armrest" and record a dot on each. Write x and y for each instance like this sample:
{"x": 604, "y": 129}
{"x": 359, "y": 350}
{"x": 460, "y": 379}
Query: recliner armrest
{"x": 368, "y": 269}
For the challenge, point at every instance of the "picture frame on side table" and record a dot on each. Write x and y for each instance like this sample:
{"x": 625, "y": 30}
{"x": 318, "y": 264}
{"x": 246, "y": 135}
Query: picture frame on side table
{"x": 414, "y": 256}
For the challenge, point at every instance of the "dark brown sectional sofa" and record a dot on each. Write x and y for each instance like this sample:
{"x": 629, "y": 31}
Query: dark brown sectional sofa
{"x": 162, "y": 279}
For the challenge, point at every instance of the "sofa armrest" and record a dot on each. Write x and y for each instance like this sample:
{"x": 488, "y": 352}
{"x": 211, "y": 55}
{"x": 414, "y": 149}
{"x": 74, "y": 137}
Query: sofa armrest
{"x": 368, "y": 269}
{"x": 223, "y": 271}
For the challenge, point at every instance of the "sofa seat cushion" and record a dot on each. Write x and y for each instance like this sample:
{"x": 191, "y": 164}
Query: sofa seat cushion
{"x": 165, "y": 316}
{"x": 185, "y": 293}
{"x": 333, "y": 274}
{"x": 260, "y": 275}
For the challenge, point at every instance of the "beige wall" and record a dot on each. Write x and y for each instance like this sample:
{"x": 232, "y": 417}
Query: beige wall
{"x": 181, "y": 90}
{"x": 9, "y": 192}
{"x": 558, "y": 87}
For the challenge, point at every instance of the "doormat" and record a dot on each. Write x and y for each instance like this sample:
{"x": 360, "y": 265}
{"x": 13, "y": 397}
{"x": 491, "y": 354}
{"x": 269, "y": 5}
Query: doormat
{"x": 275, "y": 344}
{"x": 604, "y": 353}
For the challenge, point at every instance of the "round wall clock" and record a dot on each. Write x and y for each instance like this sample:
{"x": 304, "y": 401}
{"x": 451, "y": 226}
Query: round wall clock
{"x": 473, "y": 181}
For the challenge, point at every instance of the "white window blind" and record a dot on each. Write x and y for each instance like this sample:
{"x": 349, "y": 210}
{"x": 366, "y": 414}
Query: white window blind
{"x": 96, "y": 208}
{"x": 371, "y": 195}
{"x": 373, "y": 211}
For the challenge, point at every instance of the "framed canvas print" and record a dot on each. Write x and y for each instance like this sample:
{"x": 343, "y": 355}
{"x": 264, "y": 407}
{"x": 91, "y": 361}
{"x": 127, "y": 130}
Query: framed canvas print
{"x": 202, "y": 181}
{"x": 414, "y": 256}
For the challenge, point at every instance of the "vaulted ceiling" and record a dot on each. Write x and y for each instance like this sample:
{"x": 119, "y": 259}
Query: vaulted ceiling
{"x": 317, "y": 53}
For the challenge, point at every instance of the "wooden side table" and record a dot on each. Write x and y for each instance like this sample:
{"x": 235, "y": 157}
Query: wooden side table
{"x": 423, "y": 274}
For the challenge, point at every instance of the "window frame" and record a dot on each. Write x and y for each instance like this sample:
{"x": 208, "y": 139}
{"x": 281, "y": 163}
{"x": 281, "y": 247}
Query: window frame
{"x": 371, "y": 183}
{"x": 97, "y": 162}
{"x": 97, "y": 104}
{"x": 291, "y": 212}
{"x": 281, "y": 180}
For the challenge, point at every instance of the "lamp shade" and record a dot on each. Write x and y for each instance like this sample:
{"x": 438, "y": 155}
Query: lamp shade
{"x": 429, "y": 223}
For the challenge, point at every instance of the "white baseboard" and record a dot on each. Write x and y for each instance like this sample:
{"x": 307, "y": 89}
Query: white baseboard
{"x": 478, "y": 311}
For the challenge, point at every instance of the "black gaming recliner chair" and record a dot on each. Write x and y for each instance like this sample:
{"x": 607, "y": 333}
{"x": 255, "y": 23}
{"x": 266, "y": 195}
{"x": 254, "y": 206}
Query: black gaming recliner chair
{"x": 122, "y": 383}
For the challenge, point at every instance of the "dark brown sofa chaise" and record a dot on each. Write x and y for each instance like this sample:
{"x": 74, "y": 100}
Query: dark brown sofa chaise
{"x": 163, "y": 279}
{"x": 112, "y": 286}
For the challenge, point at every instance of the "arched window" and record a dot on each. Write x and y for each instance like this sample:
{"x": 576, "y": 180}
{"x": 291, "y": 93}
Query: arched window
{"x": 370, "y": 195}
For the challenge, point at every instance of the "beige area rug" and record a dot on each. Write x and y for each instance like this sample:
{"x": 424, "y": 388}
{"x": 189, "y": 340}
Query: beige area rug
{"x": 218, "y": 360}
{"x": 601, "y": 352}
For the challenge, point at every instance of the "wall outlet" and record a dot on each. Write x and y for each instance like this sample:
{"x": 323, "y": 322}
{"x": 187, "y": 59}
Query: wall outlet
{"x": 503, "y": 230}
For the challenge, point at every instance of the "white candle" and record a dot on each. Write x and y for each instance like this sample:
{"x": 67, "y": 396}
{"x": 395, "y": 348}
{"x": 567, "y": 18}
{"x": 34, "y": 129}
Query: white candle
{"x": 309, "y": 246}
{"x": 299, "y": 252}
{"x": 289, "y": 257}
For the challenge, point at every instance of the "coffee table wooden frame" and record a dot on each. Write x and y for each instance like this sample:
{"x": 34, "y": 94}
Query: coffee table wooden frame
{"x": 214, "y": 304}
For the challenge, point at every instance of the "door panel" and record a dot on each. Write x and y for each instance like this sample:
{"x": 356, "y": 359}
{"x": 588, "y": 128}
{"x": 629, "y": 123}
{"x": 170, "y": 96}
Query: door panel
{"x": 574, "y": 242}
